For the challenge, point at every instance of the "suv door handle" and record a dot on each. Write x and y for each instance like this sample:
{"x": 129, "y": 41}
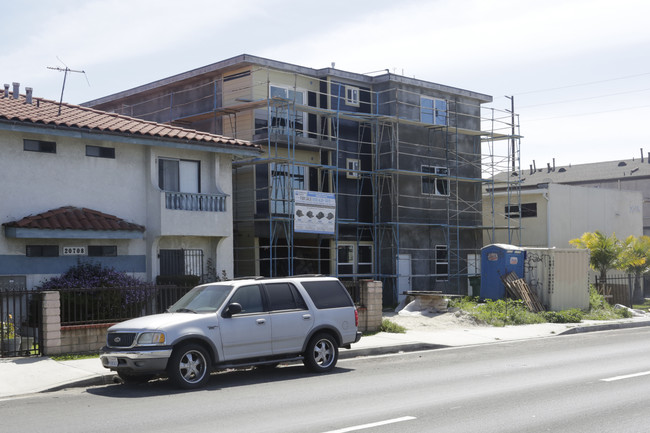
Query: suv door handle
{"x": 261, "y": 321}
{"x": 306, "y": 316}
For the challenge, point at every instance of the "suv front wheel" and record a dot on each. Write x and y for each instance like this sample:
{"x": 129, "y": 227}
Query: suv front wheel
{"x": 321, "y": 354}
{"x": 189, "y": 366}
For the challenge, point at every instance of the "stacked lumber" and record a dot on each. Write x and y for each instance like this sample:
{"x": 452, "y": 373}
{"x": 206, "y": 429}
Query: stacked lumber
{"x": 518, "y": 289}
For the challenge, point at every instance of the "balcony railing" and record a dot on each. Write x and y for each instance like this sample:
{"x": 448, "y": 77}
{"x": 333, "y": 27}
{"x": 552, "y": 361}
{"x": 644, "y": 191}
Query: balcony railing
{"x": 195, "y": 202}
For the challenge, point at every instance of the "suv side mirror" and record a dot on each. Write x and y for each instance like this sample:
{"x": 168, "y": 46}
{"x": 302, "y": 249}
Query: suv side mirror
{"x": 231, "y": 309}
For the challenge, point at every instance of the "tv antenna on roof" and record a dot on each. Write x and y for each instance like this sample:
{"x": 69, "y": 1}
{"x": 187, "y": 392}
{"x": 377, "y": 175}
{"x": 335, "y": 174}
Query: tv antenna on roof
{"x": 65, "y": 75}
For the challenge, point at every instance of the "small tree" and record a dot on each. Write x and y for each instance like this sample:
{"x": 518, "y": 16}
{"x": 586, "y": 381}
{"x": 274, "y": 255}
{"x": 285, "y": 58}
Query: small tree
{"x": 604, "y": 252}
{"x": 635, "y": 259}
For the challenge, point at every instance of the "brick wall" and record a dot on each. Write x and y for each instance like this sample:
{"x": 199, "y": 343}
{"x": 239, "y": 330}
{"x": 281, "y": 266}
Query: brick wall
{"x": 370, "y": 306}
{"x": 59, "y": 339}
{"x": 83, "y": 338}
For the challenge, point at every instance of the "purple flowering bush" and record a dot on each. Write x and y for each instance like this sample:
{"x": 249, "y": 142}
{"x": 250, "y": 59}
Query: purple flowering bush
{"x": 91, "y": 293}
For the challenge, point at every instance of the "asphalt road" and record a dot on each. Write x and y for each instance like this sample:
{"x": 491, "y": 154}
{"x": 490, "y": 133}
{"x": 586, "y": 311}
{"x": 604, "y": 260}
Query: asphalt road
{"x": 594, "y": 382}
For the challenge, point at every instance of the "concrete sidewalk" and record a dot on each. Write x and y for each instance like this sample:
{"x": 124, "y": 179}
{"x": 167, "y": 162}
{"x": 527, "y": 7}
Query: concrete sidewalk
{"x": 21, "y": 376}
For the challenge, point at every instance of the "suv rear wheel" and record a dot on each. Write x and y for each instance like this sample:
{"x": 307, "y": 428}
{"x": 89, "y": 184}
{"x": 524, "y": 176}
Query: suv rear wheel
{"x": 189, "y": 366}
{"x": 321, "y": 354}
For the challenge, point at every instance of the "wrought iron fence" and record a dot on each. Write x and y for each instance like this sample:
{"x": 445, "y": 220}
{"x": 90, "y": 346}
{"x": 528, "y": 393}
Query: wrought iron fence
{"x": 115, "y": 304}
{"x": 20, "y": 322}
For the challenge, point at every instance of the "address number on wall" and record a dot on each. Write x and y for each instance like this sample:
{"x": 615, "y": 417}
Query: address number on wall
{"x": 75, "y": 251}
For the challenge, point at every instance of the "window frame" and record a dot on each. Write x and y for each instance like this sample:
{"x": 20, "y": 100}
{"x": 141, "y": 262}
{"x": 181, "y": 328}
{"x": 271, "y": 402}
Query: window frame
{"x": 352, "y": 96}
{"x": 279, "y": 112}
{"x": 436, "y": 181}
{"x": 441, "y": 261}
{"x": 436, "y": 114}
{"x": 40, "y": 146}
{"x": 522, "y": 210}
{"x": 353, "y": 257}
{"x": 40, "y": 250}
{"x": 102, "y": 152}
{"x": 102, "y": 250}
{"x": 163, "y": 161}
{"x": 285, "y": 178}
{"x": 353, "y": 164}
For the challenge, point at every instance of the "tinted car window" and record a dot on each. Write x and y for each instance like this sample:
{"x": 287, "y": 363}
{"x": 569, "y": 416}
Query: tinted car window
{"x": 250, "y": 299}
{"x": 328, "y": 294}
{"x": 284, "y": 296}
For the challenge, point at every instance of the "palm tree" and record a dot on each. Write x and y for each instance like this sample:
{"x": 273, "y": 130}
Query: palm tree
{"x": 635, "y": 259}
{"x": 604, "y": 252}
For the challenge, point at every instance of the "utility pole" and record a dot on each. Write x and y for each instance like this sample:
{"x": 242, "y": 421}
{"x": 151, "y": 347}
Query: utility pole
{"x": 65, "y": 75}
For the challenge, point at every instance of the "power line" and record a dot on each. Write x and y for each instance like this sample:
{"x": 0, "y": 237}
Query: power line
{"x": 582, "y": 84}
{"x": 585, "y": 99}
{"x": 588, "y": 114}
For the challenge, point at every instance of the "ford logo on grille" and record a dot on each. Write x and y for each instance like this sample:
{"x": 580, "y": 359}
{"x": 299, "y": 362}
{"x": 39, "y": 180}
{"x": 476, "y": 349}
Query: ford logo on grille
{"x": 117, "y": 339}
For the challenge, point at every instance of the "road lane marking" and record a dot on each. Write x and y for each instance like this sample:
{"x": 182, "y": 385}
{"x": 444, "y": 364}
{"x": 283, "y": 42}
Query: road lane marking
{"x": 371, "y": 425}
{"x": 627, "y": 376}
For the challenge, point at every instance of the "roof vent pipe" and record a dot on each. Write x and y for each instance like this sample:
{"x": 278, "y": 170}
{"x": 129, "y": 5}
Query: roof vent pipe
{"x": 553, "y": 164}
{"x": 6, "y": 90}
{"x": 548, "y": 167}
{"x": 642, "y": 155}
{"x": 16, "y": 90}
{"x": 28, "y": 95}
{"x": 531, "y": 169}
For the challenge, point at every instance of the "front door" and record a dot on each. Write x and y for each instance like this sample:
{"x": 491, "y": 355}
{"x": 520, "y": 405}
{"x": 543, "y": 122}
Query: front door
{"x": 403, "y": 275}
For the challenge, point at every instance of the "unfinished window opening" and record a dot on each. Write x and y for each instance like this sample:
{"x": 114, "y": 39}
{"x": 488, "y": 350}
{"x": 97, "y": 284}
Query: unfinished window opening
{"x": 286, "y": 178}
{"x": 285, "y": 118}
{"x": 435, "y": 180}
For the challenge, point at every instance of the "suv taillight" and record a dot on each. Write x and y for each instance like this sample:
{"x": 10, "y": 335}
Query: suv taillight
{"x": 356, "y": 318}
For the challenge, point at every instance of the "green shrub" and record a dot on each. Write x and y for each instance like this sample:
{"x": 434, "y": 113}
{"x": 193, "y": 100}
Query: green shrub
{"x": 392, "y": 327}
{"x": 567, "y": 316}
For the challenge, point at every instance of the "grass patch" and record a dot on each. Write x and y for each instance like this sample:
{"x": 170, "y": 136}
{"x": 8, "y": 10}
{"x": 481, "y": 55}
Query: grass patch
{"x": 514, "y": 312}
{"x": 74, "y": 356}
{"x": 392, "y": 327}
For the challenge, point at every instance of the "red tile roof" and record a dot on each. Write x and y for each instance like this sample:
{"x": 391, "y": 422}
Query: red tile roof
{"x": 74, "y": 218}
{"x": 46, "y": 112}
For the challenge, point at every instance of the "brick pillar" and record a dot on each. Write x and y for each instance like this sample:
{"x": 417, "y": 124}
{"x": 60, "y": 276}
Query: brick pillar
{"x": 51, "y": 338}
{"x": 370, "y": 309}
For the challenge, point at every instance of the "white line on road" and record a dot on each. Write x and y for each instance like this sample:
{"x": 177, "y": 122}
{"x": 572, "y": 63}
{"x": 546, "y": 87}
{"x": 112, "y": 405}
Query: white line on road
{"x": 371, "y": 425}
{"x": 627, "y": 376}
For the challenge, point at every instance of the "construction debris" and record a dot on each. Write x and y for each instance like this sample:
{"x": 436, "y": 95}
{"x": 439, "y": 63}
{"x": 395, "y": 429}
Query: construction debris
{"x": 518, "y": 289}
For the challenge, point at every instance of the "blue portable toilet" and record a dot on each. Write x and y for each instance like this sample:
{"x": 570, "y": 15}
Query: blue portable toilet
{"x": 498, "y": 260}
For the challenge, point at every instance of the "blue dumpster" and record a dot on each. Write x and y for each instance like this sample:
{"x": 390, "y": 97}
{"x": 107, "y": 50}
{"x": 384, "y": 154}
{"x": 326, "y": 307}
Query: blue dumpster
{"x": 498, "y": 260}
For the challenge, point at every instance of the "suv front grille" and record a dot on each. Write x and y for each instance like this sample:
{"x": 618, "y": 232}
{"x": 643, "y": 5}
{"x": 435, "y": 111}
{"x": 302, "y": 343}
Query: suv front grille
{"x": 120, "y": 339}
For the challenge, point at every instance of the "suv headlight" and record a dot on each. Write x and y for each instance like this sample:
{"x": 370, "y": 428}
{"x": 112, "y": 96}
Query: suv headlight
{"x": 151, "y": 338}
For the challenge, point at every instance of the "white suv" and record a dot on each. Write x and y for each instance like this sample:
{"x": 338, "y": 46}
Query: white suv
{"x": 262, "y": 321}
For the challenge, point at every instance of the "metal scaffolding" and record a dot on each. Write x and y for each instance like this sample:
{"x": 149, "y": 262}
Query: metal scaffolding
{"x": 409, "y": 190}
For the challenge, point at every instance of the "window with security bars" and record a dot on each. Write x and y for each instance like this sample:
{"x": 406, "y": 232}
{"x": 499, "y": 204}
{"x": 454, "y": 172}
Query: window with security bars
{"x": 181, "y": 262}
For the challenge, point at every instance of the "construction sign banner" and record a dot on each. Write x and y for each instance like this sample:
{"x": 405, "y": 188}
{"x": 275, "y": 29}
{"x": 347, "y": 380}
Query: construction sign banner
{"x": 315, "y": 212}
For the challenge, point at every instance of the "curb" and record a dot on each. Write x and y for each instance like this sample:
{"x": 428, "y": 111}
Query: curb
{"x": 111, "y": 377}
{"x": 608, "y": 327}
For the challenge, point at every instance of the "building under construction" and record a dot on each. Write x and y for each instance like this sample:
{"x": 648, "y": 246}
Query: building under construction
{"x": 364, "y": 176}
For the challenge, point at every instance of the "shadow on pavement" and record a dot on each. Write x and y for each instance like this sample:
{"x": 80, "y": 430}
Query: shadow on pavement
{"x": 218, "y": 381}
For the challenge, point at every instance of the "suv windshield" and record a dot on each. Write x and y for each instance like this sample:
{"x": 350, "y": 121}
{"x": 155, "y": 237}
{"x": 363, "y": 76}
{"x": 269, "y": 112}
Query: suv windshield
{"x": 202, "y": 299}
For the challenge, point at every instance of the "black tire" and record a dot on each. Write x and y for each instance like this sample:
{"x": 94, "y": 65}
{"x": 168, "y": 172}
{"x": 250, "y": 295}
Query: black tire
{"x": 321, "y": 354}
{"x": 134, "y": 379}
{"x": 189, "y": 366}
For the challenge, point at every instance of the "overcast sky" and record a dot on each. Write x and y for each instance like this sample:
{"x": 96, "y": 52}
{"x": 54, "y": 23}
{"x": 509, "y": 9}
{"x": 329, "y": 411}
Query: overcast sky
{"x": 579, "y": 70}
